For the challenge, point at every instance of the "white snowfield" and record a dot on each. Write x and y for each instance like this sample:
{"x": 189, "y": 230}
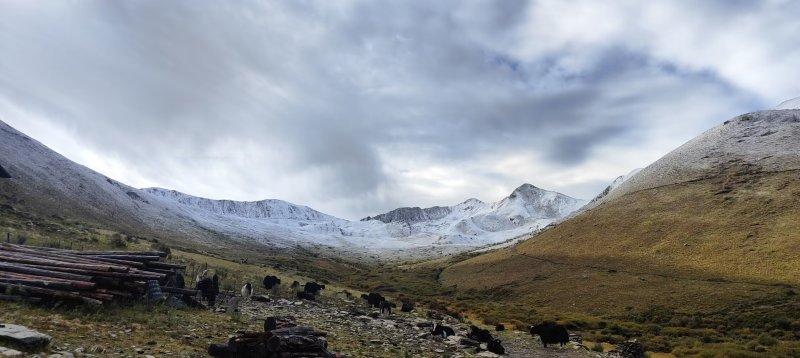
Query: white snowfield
{"x": 44, "y": 179}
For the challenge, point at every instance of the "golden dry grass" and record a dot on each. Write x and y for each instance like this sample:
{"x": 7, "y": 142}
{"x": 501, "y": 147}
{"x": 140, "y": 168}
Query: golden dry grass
{"x": 684, "y": 246}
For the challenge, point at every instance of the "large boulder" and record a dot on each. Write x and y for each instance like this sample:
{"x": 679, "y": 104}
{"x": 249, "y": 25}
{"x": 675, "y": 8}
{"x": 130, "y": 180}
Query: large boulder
{"x": 26, "y": 338}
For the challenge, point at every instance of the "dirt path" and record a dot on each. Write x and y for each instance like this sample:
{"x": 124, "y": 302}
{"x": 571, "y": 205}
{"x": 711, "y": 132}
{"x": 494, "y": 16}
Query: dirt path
{"x": 399, "y": 335}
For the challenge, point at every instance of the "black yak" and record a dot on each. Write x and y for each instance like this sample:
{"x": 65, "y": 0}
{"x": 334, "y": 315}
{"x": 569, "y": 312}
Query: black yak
{"x": 479, "y": 334}
{"x": 386, "y": 307}
{"x": 496, "y": 346}
{"x": 208, "y": 289}
{"x": 375, "y": 299}
{"x": 551, "y": 333}
{"x": 499, "y": 327}
{"x": 271, "y": 281}
{"x": 407, "y": 307}
{"x": 444, "y": 331}
{"x": 313, "y": 288}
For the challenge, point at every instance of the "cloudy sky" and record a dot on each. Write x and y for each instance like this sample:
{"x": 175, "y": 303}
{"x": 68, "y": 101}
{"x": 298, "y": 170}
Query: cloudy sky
{"x": 358, "y": 107}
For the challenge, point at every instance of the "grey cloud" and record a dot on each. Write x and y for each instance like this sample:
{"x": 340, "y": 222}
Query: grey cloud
{"x": 322, "y": 92}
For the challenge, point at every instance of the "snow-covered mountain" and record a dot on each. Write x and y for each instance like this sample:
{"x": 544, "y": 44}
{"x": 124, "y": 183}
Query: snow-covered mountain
{"x": 263, "y": 209}
{"x": 474, "y": 223}
{"x": 43, "y": 181}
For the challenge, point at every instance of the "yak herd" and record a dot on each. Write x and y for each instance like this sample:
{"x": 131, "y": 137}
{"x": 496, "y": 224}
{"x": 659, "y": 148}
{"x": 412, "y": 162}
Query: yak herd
{"x": 549, "y": 332}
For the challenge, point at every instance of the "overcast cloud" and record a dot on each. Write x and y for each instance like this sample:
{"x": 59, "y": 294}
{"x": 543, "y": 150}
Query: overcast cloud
{"x": 355, "y": 108}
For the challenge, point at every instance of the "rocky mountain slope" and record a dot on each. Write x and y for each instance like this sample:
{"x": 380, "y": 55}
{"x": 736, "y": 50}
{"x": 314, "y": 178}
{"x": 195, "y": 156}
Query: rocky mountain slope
{"x": 47, "y": 183}
{"x": 710, "y": 225}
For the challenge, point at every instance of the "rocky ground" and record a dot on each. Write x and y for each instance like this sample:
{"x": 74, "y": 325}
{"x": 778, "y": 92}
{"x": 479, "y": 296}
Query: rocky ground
{"x": 352, "y": 332}
{"x": 152, "y": 332}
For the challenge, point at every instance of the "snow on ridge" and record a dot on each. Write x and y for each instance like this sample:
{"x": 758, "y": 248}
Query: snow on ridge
{"x": 793, "y": 103}
{"x": 614, "y": 185}
{"x": 269, "y": 208}
{"x": 475, "y": 223}
{"x": 765, "y": 139}
{"x": 45, "y": 177}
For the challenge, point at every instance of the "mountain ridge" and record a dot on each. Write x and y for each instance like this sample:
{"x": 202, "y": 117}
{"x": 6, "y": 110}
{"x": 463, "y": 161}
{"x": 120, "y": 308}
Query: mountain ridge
{"x": 47, "y": 182}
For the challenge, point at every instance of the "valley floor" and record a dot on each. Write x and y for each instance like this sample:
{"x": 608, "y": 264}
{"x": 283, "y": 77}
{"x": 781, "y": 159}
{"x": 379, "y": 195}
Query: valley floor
{"x": 158, "y": 331}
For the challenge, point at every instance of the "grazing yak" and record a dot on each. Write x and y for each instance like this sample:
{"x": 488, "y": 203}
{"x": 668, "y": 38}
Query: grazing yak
{"x": 271, "y": 281}
{"x": 444, "y": 331}
{"x": 499, "y": 327}
{"x": 247, "y": 290}
{"x": 407, "y": 307}
{"x": 551, "y": 333}
{"x": 306, "y": 296}
{"x": 496, "y": 346}
{"x": 479, "y": 334}
{"x": 374, "y": 299}
{"x": 313, "y": 288}
{"x": 209, "y": 289}
{"x": 386, "y": 307}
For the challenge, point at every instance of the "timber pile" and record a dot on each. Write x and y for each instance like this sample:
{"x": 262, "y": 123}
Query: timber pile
{"x": 91, "y": 277}
{"x": 281, "y": 339}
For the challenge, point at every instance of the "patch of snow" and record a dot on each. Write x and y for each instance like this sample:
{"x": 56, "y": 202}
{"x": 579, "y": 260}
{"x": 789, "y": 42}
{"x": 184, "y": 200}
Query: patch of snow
{"x": 793, "y": 103}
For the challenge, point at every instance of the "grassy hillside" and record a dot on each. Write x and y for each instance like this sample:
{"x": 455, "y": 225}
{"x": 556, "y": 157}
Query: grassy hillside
{"x": 717, "y": 254}
{"x": 691, "y": 240}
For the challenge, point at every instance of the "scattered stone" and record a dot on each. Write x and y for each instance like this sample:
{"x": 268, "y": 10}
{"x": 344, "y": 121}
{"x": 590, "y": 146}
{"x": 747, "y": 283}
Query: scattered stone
{"x": 175, "y": 302}
{"x": 261, "y": 298}
{"x": 8, "y": 352}
{"x": 575, "y": 338}
{"x": 28, "y": 339}
{"x": 629, "y": 349}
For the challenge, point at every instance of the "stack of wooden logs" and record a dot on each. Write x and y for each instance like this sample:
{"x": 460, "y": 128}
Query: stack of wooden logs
{"x": 91, "y": 277}
{"x": 281, "y": 339}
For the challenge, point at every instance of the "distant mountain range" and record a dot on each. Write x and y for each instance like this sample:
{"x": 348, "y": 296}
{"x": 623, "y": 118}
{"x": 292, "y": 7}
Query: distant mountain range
{"x": 45, "y": 182}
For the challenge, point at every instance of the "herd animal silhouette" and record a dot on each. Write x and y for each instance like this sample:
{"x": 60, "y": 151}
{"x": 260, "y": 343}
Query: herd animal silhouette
{"x": 550, "y": 333}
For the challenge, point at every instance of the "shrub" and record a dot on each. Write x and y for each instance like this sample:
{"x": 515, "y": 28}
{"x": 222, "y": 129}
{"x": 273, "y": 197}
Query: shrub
{"x": 766, "y": 340}
{"x": 117, "y": 241}
{"x": 161, "y": 247}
